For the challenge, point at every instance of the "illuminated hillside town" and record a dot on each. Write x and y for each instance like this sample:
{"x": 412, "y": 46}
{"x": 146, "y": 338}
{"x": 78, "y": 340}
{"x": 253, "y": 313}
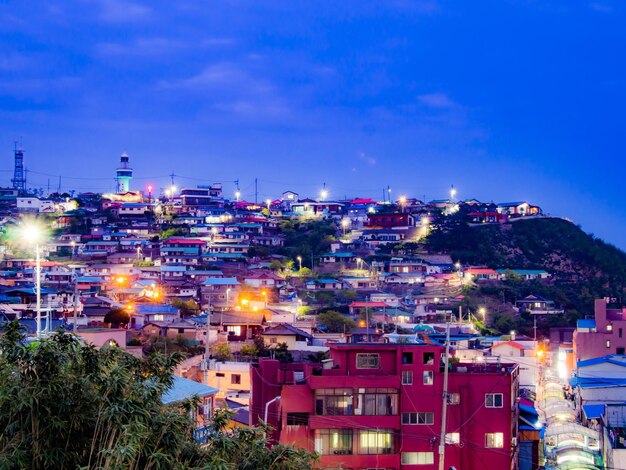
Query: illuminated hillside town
{"x": 359, "y": 329}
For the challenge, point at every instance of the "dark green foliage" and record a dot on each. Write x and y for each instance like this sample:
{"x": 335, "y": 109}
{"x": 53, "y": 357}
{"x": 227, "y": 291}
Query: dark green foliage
{"x": 334, "y": 322}
{"x": 64, "y": 405}
{"x": 584, "y": 267}
{"x": 306, "y": 238}
{"x": 281, "y": 353}
{"x": 187, "y": 308}
{"x": 117, "y": 317}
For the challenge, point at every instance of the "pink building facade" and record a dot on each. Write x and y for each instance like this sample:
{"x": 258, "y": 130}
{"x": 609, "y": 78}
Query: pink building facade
{"x": 602, "y": 336}
{"x": 379, "y": 406}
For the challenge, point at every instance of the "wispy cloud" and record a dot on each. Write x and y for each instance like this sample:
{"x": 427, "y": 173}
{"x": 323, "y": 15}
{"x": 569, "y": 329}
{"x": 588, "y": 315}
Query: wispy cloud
{"x": 437, "y": 100}
{"x": 233, "y": 88}
{"x": 123, "y": 11}
{"x": 366, "y": 158}
{"x": 151, "y": 46}
{"x": 601, "y": 7}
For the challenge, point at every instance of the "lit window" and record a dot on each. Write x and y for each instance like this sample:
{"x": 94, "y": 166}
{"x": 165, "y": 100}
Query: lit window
{"x": 608, "y": 343}
{"x": 234, "y": 330}
{"x": 429, "y": 377}
{"x": 373, "y": 442}
{"x": 367, "y": 361}
{"x": 609, "y": 327}
{"x": 333, "y": 441}
{"x": 493, "y": 400}
{"x": 494, "y": 439}
{"x": 429, "y": 358}
{"x": 407, "y": 377}
{"x": 418, "y": 458}
{"x": 453, "y": 438}
{"x": 454, "y": 398}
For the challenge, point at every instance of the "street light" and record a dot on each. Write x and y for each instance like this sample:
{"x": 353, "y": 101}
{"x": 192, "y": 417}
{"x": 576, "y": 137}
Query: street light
{"x": 269, "y": 205}
{"x": 323, "y": 194}
{"x": 237, "y": 195}
{"x": 299, "y": 258}
{"x": 33, "y": 234}
{"x": 483, "y": 312}
{"x": 344, "y": 225}
{"x": 264, "y": 294}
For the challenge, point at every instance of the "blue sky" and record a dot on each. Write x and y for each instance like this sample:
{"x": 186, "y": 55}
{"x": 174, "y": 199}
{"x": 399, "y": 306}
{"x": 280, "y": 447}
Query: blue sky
{"x": 505, "y": 99}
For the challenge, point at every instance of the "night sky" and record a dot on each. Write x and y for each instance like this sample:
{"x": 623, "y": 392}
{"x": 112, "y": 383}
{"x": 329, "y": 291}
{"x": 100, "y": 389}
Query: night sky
{"x": 507, "y": 100}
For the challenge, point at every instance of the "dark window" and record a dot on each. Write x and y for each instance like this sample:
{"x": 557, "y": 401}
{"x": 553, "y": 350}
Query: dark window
{"x": 429, "y": 358}
{"x": 297, "y": 419}
{"x": 219, "y": 374}
{"x": 619, "y": 351}
{"x": 620, "y": 332}
{"x": 235, "y": 379}
{"x": 407, "y": 358}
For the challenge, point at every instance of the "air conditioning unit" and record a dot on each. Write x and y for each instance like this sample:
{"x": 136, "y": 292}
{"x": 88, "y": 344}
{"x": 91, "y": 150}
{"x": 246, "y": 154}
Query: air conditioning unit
{"x": 514, "y": 442}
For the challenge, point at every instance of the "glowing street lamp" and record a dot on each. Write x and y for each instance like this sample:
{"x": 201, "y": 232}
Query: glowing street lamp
{"x": 323, "y": 194}
{"x": 269, "y": 205}
{"x": 33, "y": 234}
{"x": 344, "y": 225}
{"x": 299, "y": 258}
{"x": 264, "y": 294}
{"x": 237, "y": 195}
{"x": 483, "y": 313}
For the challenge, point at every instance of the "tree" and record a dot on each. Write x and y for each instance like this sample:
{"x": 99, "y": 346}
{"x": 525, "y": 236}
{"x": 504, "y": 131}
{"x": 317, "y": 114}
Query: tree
{"x": 248, "y": 350}
{"x": 334, "y": 322}
{"x": 187, "y": 308}
{"x": 222, "y": 353}
{"x": 117, "y": 317}
{"x": 66, "y": 405}
{"x": 281, "y": 353}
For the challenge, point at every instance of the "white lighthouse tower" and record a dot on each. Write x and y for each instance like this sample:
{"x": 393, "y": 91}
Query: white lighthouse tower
{"x": 124, "y": 174}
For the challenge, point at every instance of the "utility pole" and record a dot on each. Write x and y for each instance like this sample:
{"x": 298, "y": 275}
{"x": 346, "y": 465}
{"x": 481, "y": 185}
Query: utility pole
{"x": 256, "y": 190}
{"x": 367, "y": 323}
{"x": 76, "y": 300}
{"x": 444, "y": 406}
{"x": 460, "y": 314}
{"x": 535, "y": 326}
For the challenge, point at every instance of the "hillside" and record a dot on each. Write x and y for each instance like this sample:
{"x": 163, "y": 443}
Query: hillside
{"x": 583, "y": 266}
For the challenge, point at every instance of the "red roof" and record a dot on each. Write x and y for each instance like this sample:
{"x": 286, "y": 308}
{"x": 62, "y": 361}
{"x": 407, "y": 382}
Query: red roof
{"x": 510, "y": 343}
{"x": 359, "y": 200}
{"x": 481, "y": 271}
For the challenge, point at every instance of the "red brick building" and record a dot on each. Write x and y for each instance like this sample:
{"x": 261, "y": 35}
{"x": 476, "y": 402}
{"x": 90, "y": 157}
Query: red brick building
{"x": 379, "y": 406}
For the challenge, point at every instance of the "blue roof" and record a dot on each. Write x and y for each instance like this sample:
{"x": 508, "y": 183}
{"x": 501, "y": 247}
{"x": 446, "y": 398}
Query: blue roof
{"x": 593, "y": 411}
{"x": 173, "y": 268}
{"x": 146, "y": 309}
{"x": 91, "y": 279}
{"x": 596, "y": 382}
{"x": 586, "y": 323}
{"x": 184, "y": 389}
{"x": 327, "y": 281}
{"x": 602, "y": 360}
{"x": 220, "y": 281}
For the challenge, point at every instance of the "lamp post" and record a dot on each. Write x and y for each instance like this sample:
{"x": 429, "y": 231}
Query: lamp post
{"x": 33, "y": 235}
{"x": 344, "y": 225}
{"x": 237, "y": 195}
{"x": 299, "y": 258}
